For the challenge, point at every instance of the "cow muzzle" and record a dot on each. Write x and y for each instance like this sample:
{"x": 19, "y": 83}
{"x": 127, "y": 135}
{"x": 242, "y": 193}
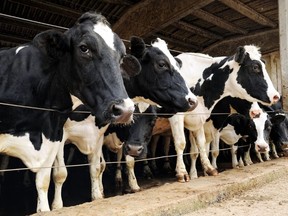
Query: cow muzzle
{"x": 122, "y": 112}
{"x": 262, "y": 148}
{"x": 134, "y": 150}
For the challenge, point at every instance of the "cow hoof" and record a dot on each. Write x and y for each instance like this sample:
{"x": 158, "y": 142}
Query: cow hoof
{"x": 183, "y": 178}
{"x": 213, "y": 172}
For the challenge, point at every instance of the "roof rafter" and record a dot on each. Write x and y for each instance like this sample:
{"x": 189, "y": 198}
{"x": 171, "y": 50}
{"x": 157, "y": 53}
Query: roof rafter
{"x": 218, "y": 21}
{"x": 146, "y": 17}
{"x": 249, "y": 12}
{"x": 194, "y": 29}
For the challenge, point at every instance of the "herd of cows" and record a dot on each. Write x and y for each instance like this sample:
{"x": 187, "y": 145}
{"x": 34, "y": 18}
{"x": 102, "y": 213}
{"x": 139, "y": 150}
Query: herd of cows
{"x": 81, "y": 87}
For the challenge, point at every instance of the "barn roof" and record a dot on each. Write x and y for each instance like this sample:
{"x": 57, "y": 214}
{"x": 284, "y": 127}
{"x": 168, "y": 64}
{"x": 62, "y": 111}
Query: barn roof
{"x": 215, "y": 27}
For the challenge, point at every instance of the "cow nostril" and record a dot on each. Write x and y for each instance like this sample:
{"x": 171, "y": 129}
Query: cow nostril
{"x": 192, "y": 103}
{"x": 116, "y": 110}
{"x": 140, "y": 149}
{"x": 276, "y": 98}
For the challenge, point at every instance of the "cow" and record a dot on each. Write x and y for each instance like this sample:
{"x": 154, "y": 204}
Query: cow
{"x": 241, "y": 75}
{"x": 37, "y": 78}
{"x": 158, "y": 83}
{"x": 279, "y": 131}
{"x": 250, "y": 124}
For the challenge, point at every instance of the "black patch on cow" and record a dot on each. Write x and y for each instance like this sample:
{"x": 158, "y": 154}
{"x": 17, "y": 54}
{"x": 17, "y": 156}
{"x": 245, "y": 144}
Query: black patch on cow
{"x": 80, "y": 113}
{"x": 213, "y": 85}
{"x": 36, "y": 139}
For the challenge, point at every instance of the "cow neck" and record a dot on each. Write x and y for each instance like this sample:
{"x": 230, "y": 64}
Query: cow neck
{"x": 211, "y": 86}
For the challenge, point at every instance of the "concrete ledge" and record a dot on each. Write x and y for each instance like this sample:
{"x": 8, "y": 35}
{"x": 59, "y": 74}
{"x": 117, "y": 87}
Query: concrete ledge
{"x": 182, "y": 198}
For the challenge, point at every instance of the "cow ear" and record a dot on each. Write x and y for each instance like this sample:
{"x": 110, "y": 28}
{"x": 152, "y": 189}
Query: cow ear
{"x": 130, "y": 66}
{"x": 179, "y": 62}
{"x": 137, "y": 46}
{"x": 278, "y": 118}
{"x": 53, "y": 43}
{"x": 240, "y": 55}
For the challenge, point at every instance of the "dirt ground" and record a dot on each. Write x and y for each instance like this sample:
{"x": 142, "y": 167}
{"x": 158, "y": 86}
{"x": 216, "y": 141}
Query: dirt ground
{"x": 259, "y": 189}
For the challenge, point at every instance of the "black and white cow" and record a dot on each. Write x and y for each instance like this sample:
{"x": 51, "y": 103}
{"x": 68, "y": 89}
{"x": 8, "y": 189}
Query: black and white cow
{"x": 159, "y": 82}
{"x": 83, "y": 61}
{"x": 279, "y": 131}
{"x": 242, "y": 75}
{"x": 250, "y": 124}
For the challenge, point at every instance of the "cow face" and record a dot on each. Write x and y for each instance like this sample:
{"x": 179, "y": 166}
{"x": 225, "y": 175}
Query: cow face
{"x": 279, "y": 132}
{"x": 140, "y": 133}
{"x": 250, "y": 73}
{"x": 159, "y": 81}
{"x": 263, "y": 127}
{"x": 97, "y": 60}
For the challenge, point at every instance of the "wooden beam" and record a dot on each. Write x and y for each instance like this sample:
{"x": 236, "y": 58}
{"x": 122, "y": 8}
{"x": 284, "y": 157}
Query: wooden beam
{"x": 50, "y": 7}
{"x": 196, "y": 30}
{"x": 30, "y": 24}
{"x": 201, "y": 14}
{"x": 150, "y": 16}
{"x": 283, "y": 33}
{"x": 269, "y": 42}
{"x": 249, "y": 12}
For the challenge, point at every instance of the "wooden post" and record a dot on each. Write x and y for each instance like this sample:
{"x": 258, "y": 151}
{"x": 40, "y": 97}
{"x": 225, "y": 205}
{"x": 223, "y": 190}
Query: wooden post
{"x": 283, "y": 34}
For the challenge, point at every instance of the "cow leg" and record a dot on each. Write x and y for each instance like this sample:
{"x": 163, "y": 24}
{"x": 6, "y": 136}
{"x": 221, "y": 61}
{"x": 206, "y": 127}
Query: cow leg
{"x": 102, "y": 169}
{"x": 274, "y": 151}
{"x": 259, "y": 156}
{"x": 201, "y": 141}
{"x": 166, "y": 166}
{"x": 43, "y": 176}
{"x": 194, "y": 153}
{"x": 118, "y": 176}
{"x": 247, "y": 158}
{"x": 234, "y": 156}
{"x": 215, "y": 149}
{"x": 177, "y": 127}
{"x": 59, "y": 177}
{"x": 153, "y": 146}
{"x": 130, "y": 162}
{"x": 94, "y": 160}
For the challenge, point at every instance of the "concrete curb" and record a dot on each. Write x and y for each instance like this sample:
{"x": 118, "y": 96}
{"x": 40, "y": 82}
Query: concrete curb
{"x": 183, "y": 198}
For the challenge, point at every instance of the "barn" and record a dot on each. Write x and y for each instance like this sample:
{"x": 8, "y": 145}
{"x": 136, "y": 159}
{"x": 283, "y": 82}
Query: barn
{"x": 214, "y": 27}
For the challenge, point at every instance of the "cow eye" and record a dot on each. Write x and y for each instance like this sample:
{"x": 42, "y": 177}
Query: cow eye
{"x": 84, "y": 49}
{"x": 256, "y": 68}
{"x": 161, "y": 64}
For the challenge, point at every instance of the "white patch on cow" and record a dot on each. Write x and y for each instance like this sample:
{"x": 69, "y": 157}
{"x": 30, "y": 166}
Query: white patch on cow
{"x": 229, "y": 136}
{"x": 210, "y": 77}
{"x": 106, "y": 33}
{"x": 139, "y": 99}
{"x": 260, "y": 127}
{"x": 162, "y": 45}
{"x": 19, "y": 48}
{"x": 113, "y": 143}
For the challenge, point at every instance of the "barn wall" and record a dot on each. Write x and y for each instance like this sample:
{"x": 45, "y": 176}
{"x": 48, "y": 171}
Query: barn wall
{"x": 274, "y": 69}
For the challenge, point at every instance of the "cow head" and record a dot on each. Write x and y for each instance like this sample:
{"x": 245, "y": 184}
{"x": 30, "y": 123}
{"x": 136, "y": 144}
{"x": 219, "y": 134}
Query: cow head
{"x": 159, "y": 81}
{"x": 263, "y": 127}
{"x": 96, "y": 59}
{"x": 249, "y": 73}
{"x": 140, "y": 133}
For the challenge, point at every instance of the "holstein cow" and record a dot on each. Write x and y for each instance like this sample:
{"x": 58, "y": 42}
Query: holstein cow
{"x": 250, "y": 124}
{"x": 279, "y": 131}
{"x": 83, "y": 61}
{"x": 242, "y": 75}
{"x": 159, "y": 82}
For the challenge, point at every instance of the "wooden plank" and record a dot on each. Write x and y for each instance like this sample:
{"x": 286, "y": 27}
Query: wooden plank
{"x": 269, "y": 42}
{"x": 283, "y": 36}
{"x": 150, "y": 16}
{"x": 50, "y": 7}
{"x": 194, "y": 29}
{"x": 201, "y": 14}
{"x": 249, "y": 12}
